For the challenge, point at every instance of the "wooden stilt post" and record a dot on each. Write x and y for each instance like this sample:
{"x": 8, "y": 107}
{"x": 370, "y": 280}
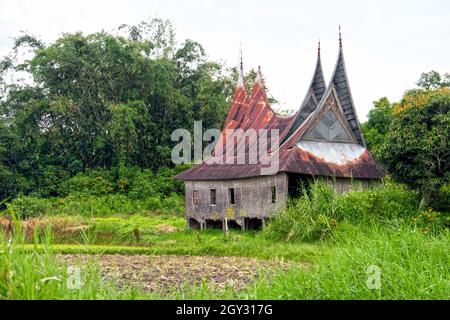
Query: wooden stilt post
{"x": 225, "y": 225}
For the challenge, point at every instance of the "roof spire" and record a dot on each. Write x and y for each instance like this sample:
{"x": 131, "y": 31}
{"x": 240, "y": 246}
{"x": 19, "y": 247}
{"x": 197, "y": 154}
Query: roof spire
{"x": 242, "y": 64}
{"x": 340, "y": 37}
{"x": 318, "y": 49}
{"x": 258, "y": 75}
{"x": 240, "y": 81}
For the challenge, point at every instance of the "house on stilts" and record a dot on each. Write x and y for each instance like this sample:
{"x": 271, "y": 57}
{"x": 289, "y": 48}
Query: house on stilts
{"x": 322, "y": 139}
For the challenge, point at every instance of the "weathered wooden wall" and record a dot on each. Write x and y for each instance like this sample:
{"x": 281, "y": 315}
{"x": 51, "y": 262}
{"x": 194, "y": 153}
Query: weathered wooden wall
{"x": 343, "y": 184}
{"x": 253, "y": 198}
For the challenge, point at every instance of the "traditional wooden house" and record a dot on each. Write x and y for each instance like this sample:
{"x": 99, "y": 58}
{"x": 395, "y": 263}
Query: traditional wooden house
{"x": 322, "y": 139}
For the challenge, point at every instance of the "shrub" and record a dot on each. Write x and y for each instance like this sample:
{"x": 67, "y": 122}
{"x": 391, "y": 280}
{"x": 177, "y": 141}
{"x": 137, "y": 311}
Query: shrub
{"x": 307, "y": 218}
{"x": 95, "y": 206}
{"x": 319, "y": 210}
{"x": 384, "y": 202}
{"x": 94, "y": 182}
{"x": 174, "y": 204}
{"x": 27, "y": 207}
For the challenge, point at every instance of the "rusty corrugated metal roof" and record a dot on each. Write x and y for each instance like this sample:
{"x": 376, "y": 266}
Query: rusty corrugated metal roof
{"x": 297, "y": 154}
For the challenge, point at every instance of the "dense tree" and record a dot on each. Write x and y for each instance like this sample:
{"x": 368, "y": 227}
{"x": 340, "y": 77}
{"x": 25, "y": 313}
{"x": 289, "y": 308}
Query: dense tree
{"x": 376, "y": 127}
{"x": 416, "y": 149}
{"x": 433, "y": 80}
{"x": 103, "y": 99}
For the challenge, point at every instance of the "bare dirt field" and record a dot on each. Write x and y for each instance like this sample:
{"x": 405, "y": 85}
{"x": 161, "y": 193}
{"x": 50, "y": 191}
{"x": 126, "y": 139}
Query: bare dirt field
{"x": 167, "y": 272}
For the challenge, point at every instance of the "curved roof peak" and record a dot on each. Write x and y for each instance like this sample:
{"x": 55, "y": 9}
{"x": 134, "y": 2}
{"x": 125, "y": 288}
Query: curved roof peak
{"x": 313, "y": 96}
{"x": 339, "y": 81}
{"x": 318, "y": 83}
{"x": 259, "y": 77}
{"x": 241, "y": 80}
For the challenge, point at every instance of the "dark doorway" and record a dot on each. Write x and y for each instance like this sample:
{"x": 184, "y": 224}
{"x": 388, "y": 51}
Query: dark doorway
{"x": 214, "y": 224}
{"x": 298, "y": 184}
{"x": 253, "y": 224}
{"x": 233, "y": 225}
{"x": 194, "y": 224}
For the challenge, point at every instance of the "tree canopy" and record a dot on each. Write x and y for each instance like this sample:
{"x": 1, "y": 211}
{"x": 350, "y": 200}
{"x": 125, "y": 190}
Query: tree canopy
{"x": 102, "y": 99}
{"x": 433, "y": 80}
{"x": 411, "y": 139}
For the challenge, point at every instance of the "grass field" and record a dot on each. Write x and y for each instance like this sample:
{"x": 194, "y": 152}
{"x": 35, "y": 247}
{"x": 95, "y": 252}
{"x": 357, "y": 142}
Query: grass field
{"x": 320, "y": 248}
{"x": 412, "y": 265}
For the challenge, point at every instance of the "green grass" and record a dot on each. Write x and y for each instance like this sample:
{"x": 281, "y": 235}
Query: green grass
{"x": 154, "y": 235}
{"x": 412, "y": 266}
{"x": 36, "y": 274}
{"x": 340, "y": 236}
{"x": 211, "y": 243}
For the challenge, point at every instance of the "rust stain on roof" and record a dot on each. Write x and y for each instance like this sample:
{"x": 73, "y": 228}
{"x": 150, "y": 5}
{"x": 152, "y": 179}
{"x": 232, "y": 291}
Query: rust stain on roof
{"x": 322, "y": 158}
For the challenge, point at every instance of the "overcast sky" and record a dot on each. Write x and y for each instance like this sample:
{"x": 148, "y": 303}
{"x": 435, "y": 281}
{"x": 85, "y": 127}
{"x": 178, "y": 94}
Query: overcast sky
{"x": 387, "y": 44}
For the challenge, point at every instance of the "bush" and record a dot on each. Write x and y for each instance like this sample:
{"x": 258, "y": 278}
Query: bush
{"x": 95, "y": 206}
{"x": 174, "y": 203}
{"x": 384, "y": 202}
{"x": 28, "y": 207}
{"x": 104, "y": 192}
{"x": 94, "y": 182}
{"x": 307, "y": 218}
{"x": 315, "y": 215}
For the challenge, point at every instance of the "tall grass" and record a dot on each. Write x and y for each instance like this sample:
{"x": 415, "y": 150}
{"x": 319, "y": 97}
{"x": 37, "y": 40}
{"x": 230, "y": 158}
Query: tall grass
{"x": 359, "y": 233}
{"x": 95, "y": 205}
{"x": 345, "y": 235}
{"x": 412, "y": 266}
{"x": 39, "y": 274}
{"x": 321, "y": 209}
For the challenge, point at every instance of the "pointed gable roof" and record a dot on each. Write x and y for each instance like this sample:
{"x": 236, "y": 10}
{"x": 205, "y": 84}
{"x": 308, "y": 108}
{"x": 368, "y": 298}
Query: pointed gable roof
{"x": 335, "y": 117}
{"x": 318, "y": 85}
{"x": 339, "y": 81}
{"x": 325, "y": 141}
{"x": 252, "y": 112}
{"x": 240, "y": 102}
{"x": 313, "y": 96}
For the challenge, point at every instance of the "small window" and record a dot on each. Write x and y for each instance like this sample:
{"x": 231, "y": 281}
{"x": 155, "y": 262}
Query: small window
{"x": 195, "y": 198}
{"x": 274, "y": 195}
{"x": 213, "y": 196}
{"x": 231, "y": 190}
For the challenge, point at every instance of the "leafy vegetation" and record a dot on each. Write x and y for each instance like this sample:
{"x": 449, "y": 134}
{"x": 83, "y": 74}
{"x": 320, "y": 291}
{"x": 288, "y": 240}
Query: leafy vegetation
{"x": 382, "y": 227}
{"x": 102, "y": 101}
{"x": 320, "y": 210}
{"x": 416, "y": 148}
{"x": 105, "y": 192}
{"x": 411, "y": 138}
